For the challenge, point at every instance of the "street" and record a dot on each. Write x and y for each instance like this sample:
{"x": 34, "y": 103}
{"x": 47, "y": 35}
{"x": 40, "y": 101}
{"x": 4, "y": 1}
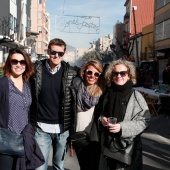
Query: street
{"x": 156, "y": 146}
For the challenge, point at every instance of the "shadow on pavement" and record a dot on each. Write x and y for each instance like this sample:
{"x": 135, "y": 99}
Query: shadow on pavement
{"x": 156, "y": 144}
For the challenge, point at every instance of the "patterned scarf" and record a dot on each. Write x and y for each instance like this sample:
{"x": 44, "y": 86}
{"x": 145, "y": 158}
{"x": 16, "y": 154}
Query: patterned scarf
{"x": 84, "y": 100}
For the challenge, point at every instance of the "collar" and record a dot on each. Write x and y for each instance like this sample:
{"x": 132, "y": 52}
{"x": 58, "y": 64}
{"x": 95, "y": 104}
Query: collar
{"x": 54, "y": 70}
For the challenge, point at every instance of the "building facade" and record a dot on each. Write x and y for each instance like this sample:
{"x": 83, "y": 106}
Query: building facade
{"x": 162, "y": 28}
{"x": 40, "y": 23}
{"x": 162, "y": 33}
{"x": 14, "y": 23}
{"x": 139, "y": 13}
{"x": 148, "y": 51}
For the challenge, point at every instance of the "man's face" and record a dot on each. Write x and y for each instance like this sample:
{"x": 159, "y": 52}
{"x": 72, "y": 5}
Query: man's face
{"x": 56, "y": 54}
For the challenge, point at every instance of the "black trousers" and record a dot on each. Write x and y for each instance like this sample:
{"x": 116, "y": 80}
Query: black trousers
{"x": 7, "y": 162}
{"x": 88, "y": 156}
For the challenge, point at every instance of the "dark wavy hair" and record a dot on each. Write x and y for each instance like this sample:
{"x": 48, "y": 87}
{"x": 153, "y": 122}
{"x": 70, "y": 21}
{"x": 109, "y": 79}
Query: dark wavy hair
{"x": 29, "y": 68}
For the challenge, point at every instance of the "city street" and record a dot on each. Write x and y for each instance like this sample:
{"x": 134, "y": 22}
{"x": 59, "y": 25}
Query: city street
{"x": 156, "y": 146}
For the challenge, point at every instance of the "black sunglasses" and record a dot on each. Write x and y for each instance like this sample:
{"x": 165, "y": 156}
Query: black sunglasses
{"x": 15, "y": 62}
{"x": 122, "y": 73}
{"x": 89, "y": 72}
{"x": 52, "y": 52}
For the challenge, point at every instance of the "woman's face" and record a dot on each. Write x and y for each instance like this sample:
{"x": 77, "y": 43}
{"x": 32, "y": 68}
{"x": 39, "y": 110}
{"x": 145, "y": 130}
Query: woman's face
{"x": 18, "y": 65}
{"x": 91, "y": 75}
{"x": 120, "y": 74}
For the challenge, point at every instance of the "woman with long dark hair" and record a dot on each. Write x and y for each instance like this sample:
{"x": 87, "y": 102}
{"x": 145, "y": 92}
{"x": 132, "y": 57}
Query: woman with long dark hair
{"x": 15, "y": 100}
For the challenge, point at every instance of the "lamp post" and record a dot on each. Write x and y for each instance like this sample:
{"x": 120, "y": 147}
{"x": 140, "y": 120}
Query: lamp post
{"x": 136, "y": 43}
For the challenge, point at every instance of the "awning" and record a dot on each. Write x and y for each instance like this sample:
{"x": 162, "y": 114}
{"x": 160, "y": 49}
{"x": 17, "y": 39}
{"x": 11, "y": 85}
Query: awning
{"x": 9, "y": 42}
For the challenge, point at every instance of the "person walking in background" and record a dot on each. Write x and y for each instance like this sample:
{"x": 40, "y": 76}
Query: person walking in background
{"x": 166, "y": 75}
{"x": 15, "y": 101}
{"x": 89, "y": 87}
{"x": 131, "y": 112}
{"x": 51, "y": 110}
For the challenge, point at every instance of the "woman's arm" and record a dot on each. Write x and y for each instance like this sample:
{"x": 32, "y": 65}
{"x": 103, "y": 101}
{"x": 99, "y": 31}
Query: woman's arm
{"x": 137, "y": 117}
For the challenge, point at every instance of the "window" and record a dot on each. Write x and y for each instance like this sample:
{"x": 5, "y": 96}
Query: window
{"x": 39, "y": 15}
{"x": 40, "y": 29}
{"x": 166, "y": 29}
{"x": 15, "y": 25}
{"x": 11, "y": 22}
{"x": 28, "y": 24}
{"x": 161, "y": 3}
{"x": 162, "y": 30}
{"x": 40, "y": 2}
{"x": 167, "y": 1}
{"x": 39, "y": 44}
{"x": 22, "y": 30}
{"x": 159, "y": 32}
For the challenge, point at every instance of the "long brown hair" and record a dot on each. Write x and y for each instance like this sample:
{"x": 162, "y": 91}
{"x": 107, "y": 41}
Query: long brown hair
{"x": 29, "y": 69}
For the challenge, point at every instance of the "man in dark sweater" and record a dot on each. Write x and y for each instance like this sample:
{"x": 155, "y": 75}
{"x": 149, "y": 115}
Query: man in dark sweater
{"x": 52, "y": 107}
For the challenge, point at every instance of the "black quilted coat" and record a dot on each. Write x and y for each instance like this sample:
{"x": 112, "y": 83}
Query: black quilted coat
{"x": 67, "y": 102}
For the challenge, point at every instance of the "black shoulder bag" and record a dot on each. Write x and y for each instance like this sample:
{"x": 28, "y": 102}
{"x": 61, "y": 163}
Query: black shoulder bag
{"x": 11, "y": 143}
{"x": 118, "y": 149}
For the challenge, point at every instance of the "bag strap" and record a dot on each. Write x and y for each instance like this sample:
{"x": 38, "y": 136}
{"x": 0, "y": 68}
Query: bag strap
{"x": 118, "y": 148}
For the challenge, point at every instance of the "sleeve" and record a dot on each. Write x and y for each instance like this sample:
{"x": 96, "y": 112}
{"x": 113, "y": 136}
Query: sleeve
{"x": 139, "y": 117}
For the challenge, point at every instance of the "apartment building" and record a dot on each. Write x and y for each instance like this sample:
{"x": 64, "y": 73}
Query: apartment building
{"x": 162, "y": 33}
{"x": 162, "y": 28}
{"x": 139, "y": 13}
{"x": 103, "y": 43}
{"x": 14, "y": 23}
{"x": 40, "y": 24}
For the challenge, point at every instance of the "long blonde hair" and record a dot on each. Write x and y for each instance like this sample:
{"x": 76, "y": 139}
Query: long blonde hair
{"x": 97, "y": 88}
{"x": 130, "y": 66}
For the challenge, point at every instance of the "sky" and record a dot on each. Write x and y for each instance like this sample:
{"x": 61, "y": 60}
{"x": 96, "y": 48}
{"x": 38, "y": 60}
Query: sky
{"x": 80, "y": 22}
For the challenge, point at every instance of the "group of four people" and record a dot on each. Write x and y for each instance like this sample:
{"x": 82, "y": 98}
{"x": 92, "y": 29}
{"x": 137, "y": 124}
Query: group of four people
{"x": 58, "y": 100}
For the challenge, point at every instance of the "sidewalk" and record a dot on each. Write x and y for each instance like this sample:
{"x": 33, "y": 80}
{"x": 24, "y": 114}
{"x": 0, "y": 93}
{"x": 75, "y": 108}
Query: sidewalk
{"x": 156, "y": 146}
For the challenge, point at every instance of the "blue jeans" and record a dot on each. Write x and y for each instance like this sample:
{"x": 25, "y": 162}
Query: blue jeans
{"x": 58, "y": 141}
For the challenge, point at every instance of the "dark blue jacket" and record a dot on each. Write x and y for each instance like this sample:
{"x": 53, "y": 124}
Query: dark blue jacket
{"x": 32, "y": 150}
{"x": 4, "y": 102}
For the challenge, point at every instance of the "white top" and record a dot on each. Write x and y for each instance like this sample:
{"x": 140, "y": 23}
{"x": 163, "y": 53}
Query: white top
{"x": 84, "y": 120}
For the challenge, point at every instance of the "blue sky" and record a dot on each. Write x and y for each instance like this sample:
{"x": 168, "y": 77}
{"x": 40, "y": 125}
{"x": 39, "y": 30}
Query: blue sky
{"x": 65, "y": 19}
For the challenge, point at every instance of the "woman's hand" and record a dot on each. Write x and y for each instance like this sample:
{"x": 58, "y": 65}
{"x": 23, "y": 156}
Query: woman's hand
{"x": 104, "y": 121}
{"x": 114, "y": 128}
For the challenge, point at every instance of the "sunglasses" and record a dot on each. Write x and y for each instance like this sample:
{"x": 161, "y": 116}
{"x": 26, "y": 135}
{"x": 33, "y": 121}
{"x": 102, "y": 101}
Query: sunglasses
{"x": 52, "y": 52}
{"x": 96, "y": 74}
{"x": 122, "y": 73}
{"x": 15, "y": 62}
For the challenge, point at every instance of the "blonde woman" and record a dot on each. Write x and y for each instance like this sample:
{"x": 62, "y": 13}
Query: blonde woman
{"x": 89, "y": 88}
{"x": 133, "y": 117}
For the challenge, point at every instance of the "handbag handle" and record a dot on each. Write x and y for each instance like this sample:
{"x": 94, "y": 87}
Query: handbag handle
{"x": 119, "y": 148}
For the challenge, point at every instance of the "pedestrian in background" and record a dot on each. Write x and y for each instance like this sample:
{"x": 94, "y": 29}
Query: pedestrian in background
{"x": 15, "y": 100}
{"x": 89, "y": 88}
{"x": 51, "y": 110}
{"x": 131, "y": 112}
{"x": 166, "y": 75}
